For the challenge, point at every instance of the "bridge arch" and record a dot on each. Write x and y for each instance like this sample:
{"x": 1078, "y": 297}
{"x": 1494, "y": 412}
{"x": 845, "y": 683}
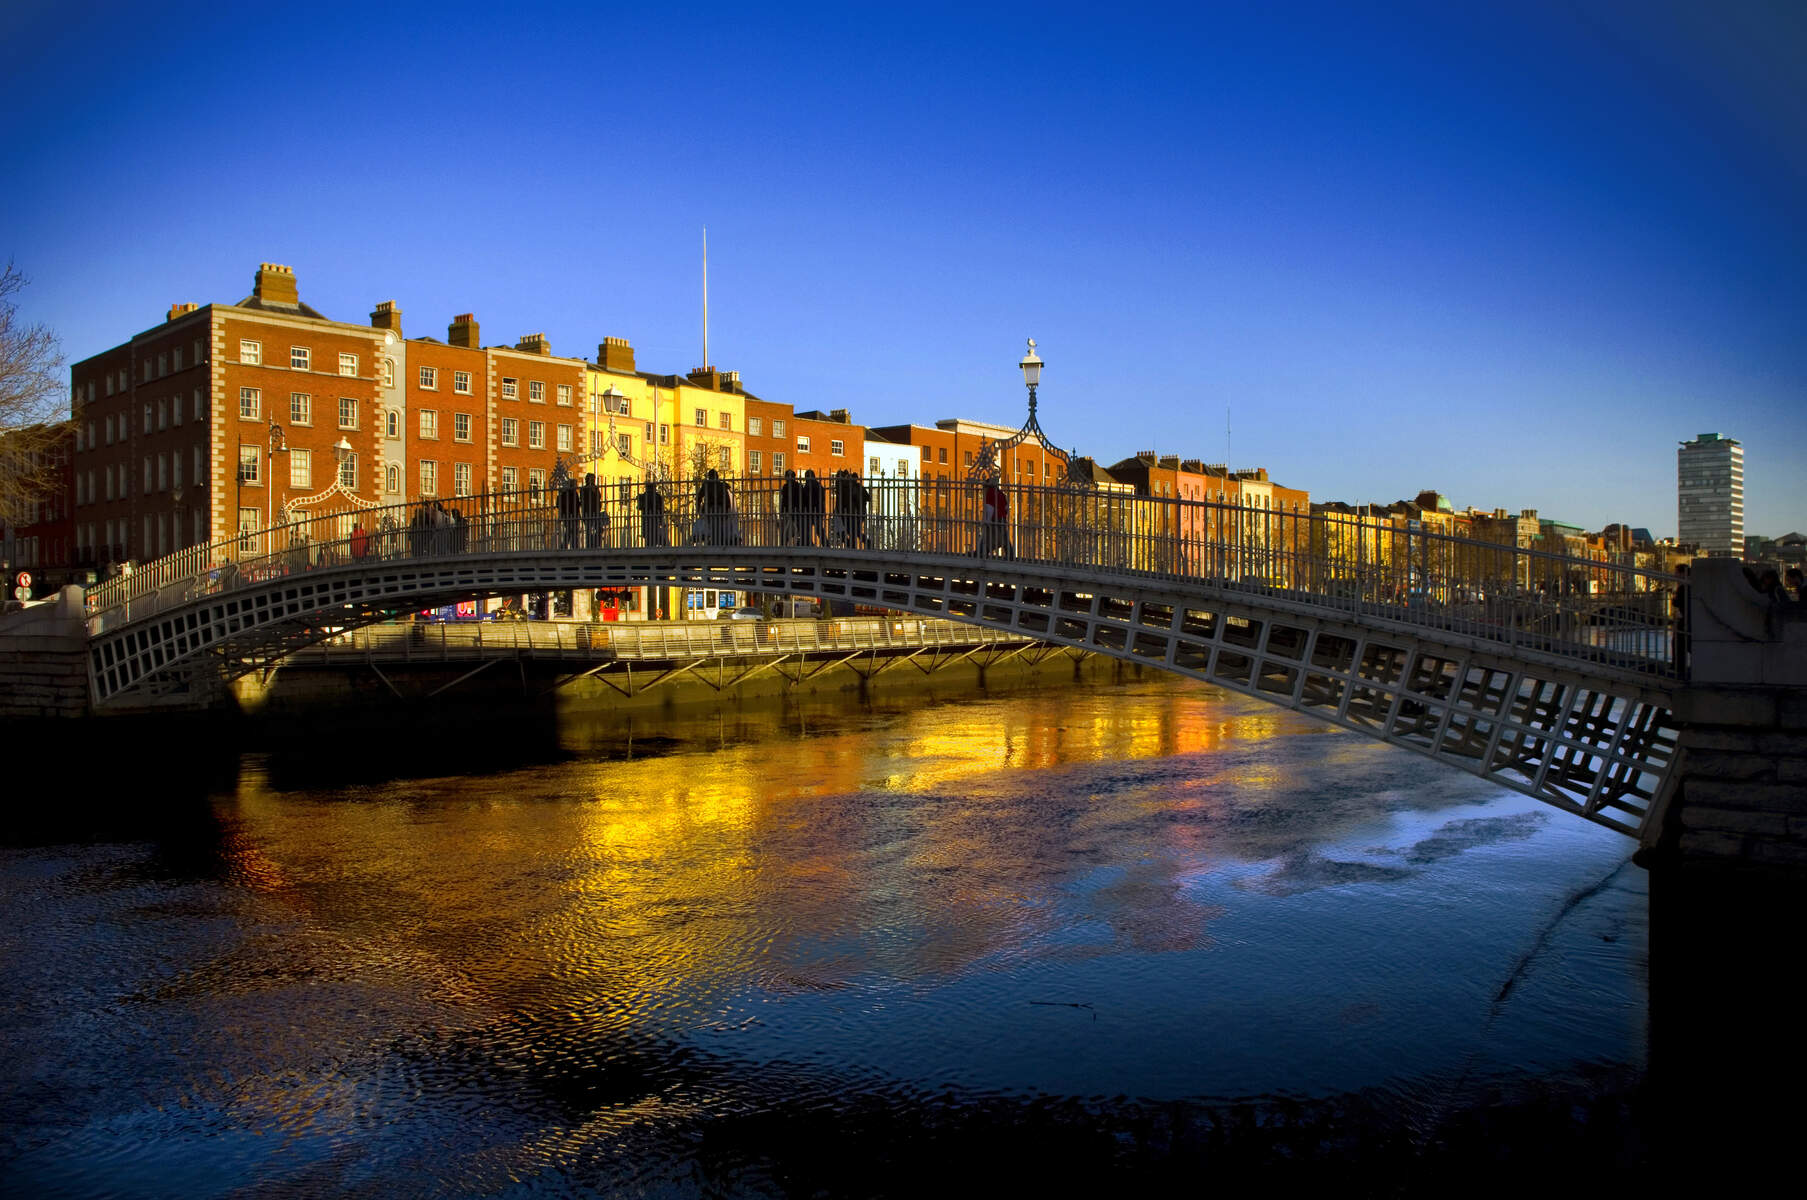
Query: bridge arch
{"x": 1586, "y": 738}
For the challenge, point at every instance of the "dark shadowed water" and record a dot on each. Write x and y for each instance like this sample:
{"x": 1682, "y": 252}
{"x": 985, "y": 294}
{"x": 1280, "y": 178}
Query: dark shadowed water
{"x": 1139, "y": 932}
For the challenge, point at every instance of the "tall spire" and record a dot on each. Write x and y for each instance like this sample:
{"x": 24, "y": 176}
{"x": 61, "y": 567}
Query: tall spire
{"x": 706, "y": 296}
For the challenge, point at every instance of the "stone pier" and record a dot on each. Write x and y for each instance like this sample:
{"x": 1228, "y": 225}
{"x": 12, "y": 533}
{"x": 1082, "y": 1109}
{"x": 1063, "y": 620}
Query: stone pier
{"x": 44, "y": 659}
{"x": 1728, "y": 878}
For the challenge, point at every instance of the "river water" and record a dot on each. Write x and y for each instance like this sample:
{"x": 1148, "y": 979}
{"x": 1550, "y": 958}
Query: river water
{"x": 1061, "y": 934}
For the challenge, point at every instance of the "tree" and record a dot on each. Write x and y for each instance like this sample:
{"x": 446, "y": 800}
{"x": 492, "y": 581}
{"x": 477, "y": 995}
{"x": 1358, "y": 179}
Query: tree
{"x": 31, "y": 393}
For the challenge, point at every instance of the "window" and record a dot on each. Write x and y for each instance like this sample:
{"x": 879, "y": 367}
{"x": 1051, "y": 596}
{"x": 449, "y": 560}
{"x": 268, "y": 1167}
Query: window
{"x": 299, "y": 358}
{"x": 753, "y": 462}
{"x": 248, "y": 458}
{"x": 392, "y": 479}
{"x": 175, "y": 469}
{"x": 510, "y": 388}
{"x": 250, "y": 403}
{"x": 162, "y": 365}
{"x": 175, "y": 357}
{"x": 389, "y": 374}
{"x": 728, "y": 421}
{"x": 429, "y": 423}
{"x": 664, "y": 435}
{"x": 649, "y": 433}
{"x": 251, "y": 353}
{"x": 873, "y": 469}
{"x": 348, "y": 413}
{"x": 944, "y": 455}
{"x": 163, "y": 472}
{"x": 200, "y": 406}
{"x": 429, "y": 477}
{"x": 969, "y": 458}
{"x": 429, "y": 378}
{"x": 162, "y": 415}
{"x": 702, "y": 419}
{"x": 461, "y": 382}
{"x": 802, "y": 445}
{"x": 461, "y": 479}
{"x": 836, "y": 447}
{"x": 106, "y": 423}
{"x": 301, "y": 468}
{"x": 348, "y": 365}
{"x": 175, "y": 412}
{"x": 624, "y": 443}
{"x": 562, "y": 437}
{"x": 511, "y": 432}
{"x": 147, "y": 418}
{"x": 756, "y": 426}
{"x": 301, "y": 408}
{"x": 199, "y": 466}
{"x": 146, "y": 490}
{"x": 510, "y": 479}
{"x": 564, "y": 394}
{"x": 928, "y": 455}
{"x": 392, "y": 423}
{"x": 348, "y": 473}
{"x": 536, "y": 480}
{"x": 461, "y": 427}
{"x": 536, "y": 435}
{"x": 248, "y": 520}
{"x": 727, "y": 458}
{"x": 777, "y": 429}
{"x": 598, "y": 446}
{"x": 777, "y": 462}
{"x": 536, "y": 391}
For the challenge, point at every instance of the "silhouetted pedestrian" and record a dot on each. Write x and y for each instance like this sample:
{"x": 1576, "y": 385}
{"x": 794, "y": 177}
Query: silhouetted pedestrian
{"x": 652, "y": 515}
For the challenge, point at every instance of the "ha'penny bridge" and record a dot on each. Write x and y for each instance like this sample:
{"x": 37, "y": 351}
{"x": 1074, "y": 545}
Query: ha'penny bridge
{"x": 1594, "y": 686}
{"x": 1555, "y": 677}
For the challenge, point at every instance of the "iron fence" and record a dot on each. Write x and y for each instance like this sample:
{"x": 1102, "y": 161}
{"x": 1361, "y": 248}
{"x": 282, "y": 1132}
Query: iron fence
{"x": 1608, "y": 613}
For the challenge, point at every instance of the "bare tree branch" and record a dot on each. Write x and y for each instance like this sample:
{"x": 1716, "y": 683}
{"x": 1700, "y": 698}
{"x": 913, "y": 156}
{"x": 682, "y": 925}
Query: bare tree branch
{"x": 33, "y": 416}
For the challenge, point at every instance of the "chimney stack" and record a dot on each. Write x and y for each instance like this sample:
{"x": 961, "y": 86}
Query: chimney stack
{"x": 387, "y": 316}
{"x": 534, "y": 343}
{"x": 180, "y": 310}
{"x": 463, "y": 332}
{"x": 275, "y": 284}
{"x": 707, "y": 377}
{"x": 842, "y": 415}
{"x": 615, "y": 355}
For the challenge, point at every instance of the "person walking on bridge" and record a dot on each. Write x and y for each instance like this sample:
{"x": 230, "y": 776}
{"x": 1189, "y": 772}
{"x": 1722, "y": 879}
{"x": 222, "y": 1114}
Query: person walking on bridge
{"x": 652, "y": 515}
{"x": 595, "y": 520}
{"x": 814, "y": 505}
{"x": 790, "y": 510}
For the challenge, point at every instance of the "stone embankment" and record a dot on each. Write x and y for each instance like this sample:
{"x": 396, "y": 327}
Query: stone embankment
{"x": 44, "y": 659}
{"x": 1741, "y": 795}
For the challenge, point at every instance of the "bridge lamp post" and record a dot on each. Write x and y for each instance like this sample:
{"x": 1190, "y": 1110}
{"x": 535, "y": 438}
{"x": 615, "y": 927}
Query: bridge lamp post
{"x": 274, "y": 441}
{"x": 1032, "y": 375}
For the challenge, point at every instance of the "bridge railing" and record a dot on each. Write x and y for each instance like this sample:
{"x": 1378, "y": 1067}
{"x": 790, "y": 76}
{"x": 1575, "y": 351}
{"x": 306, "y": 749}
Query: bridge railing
{"x": 1582, "y": 608}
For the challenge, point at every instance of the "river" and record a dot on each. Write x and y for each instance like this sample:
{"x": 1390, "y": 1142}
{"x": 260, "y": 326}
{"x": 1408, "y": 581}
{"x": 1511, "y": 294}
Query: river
{"x": 1044, "y": 936}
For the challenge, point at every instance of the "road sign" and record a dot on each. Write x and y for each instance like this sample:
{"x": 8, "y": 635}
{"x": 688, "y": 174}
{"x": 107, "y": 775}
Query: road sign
{"x": 24, "y": 579}
{"x": 21, "y": 593}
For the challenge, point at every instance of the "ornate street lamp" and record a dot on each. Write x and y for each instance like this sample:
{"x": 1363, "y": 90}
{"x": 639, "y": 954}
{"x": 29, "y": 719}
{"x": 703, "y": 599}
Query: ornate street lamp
{"x": 988, "y": 462}
{"x": 1032, "y": 374}
{"x": 275, "y": 438}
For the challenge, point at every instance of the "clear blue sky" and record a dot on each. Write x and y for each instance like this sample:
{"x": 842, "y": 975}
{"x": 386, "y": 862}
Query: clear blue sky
{"x": 1515, "y": 252}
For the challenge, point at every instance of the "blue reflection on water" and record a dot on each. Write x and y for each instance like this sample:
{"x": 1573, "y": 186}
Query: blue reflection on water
{"x": 996, "y": 914}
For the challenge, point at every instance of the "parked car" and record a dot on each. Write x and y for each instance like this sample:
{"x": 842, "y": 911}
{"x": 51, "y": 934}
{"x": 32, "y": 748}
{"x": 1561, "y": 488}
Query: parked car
{"x": 741, "y": 614}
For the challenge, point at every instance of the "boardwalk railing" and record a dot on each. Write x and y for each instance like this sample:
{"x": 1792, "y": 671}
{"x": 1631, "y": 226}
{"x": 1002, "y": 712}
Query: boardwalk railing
{"x": 423, "y": 642}
{"x": 1591, "y": 611}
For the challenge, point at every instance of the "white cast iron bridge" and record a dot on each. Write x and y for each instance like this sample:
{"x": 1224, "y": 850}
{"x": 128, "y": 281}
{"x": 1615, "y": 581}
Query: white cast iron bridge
{"x": 1547, "y": 674}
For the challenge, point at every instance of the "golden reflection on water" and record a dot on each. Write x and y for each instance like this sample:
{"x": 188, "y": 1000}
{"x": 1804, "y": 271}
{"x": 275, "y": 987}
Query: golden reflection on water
{"x": 766, "y": 852}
